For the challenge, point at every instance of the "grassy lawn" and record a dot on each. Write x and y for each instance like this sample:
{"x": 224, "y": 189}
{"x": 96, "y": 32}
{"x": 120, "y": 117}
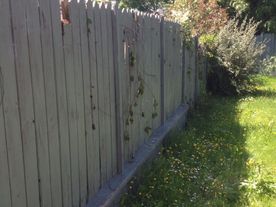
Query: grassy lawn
{"x": 225, "y": 157}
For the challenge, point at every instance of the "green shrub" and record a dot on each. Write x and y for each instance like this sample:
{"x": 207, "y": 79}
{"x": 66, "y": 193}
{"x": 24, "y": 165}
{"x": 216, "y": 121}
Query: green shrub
{"x": 234, "y": 55}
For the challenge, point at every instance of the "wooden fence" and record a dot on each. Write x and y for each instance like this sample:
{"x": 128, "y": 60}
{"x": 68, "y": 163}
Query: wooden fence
{"x": 270, "y": 40}
{"x": 77, "y": 100}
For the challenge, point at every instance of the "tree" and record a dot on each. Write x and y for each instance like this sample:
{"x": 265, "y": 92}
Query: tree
{"x": 261, "y": 10}
{"x": 198, "y": 16}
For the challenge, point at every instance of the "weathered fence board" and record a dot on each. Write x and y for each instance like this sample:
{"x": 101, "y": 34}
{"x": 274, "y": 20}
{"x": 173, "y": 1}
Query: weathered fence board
{"x": 36, "y": 66}
{"x": 5, "y": 190}
{"x": 270, "y": 40}
{"x": 72, "y": 113}
{"x": 25, "y": 98}
{"x": 93, "y": 143}
{"x": 81, "y": 97}
{"x": 120, "y": 64}
{"x": 78, "y": 74}
{"x": 86, "y": 89}
{"x": 62, "y": 104}
{"x": 112, "y": 90}
{"x": 51, "y": 101}
{"x": 9, "y": 102}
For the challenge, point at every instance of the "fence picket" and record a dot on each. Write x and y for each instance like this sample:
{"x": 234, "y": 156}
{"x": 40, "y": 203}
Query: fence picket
{"x": 93, "y": 143}
{"x": 111, "y": 90}
{"x": 120, "y": 85}
{"x": 62, "y": 105}
{"x": 25, "y": 98}
{"x": 86, "y": 83}
{"x": 78, "y": 73}
{"x": 36, "y": 65}
{"x": 11, "y": 117}
{"x": 140, "y": 67}
{"x": 72, "y": 110}
{"x": 5, "y": 197}
{"x": 51, "y": 101}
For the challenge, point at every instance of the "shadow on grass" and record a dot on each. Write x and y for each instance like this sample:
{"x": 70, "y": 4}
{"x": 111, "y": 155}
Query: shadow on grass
{"x": 203, "y": 166}
{"x": 264, "y": 93}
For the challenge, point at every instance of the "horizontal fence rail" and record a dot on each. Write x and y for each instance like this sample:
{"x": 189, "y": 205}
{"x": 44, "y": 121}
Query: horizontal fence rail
{"x": 81, "y": 95}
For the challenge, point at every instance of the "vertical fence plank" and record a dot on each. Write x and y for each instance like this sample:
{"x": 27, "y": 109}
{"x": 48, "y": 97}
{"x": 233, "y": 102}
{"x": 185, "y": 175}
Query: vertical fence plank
{"x": 111, "y": 70}
{"x": 72, "y": 110}
{"x": 125, "y": 84}
{"x": 179, "y": 64}
{"x": 140, "y": 68}
{"x": 105, "y": 106}
{"x": 147, "y": 80}
{"x": 183, "y": 73}
{"x": 136, "y": 81}
{"x": 168, "y": 68}
{"x": 36, "y": 66}
{"x": 78, "y": 73}
{"x": 165, "y": 65}
{"x": 187, "y": 76}
{"x": 115, "y": 16}
{"x": 106, "y": 89}
{"x": 86, "y": 84}
{"x": 130, "y": 32}
{"x": 142, "y": 74}
{"x": 100, "y": 60}
{"x": 162, "y": 62}
{"x": 11, "y": 111}
{"x": 193, "y": 67}
{"x": 5, "y": 196}
{"x": 157, "y": 106}
{"x": 62, "y": 103}
{"x": 51, "y": 101}
{"x": 154, "y": 73}
{"x": 25, "y": 96}
{"x": 172, "y": 84}
{"x": 93, "y": 144}
{"x": 119, "y": 84}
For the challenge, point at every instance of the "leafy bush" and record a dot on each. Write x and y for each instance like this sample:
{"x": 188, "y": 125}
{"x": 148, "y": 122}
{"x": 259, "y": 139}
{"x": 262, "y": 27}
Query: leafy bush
{"x": 268, "y": 66}
{"x": 234, "y": 55}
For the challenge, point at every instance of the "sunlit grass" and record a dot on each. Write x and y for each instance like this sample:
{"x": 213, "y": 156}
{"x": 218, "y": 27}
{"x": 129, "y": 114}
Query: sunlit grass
{"x": 225, "y": 157}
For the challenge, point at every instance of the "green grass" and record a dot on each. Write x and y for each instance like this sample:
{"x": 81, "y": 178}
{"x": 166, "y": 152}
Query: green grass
{"x": 225, "y": 157}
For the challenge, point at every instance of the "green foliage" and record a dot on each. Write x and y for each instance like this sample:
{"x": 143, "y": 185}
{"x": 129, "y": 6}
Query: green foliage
{"x": 234, "y": 56}
{"x": 143, "y": 5}
{"x": 269, "y": 66}
{"x": 264, "y": 11}
{"x": 261, "y": 10}
{"x": 225, "y": 157}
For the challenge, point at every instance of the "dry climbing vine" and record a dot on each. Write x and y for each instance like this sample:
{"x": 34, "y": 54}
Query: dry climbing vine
{"x": 131, "y": 37}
